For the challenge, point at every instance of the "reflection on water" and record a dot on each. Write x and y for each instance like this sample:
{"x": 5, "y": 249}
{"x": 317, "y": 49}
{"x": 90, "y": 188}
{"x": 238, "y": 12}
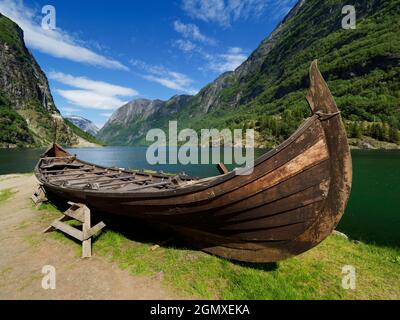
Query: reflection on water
{"x": 372, "y": 213}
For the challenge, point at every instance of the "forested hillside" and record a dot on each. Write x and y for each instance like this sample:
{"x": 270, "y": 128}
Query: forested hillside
{"x": 267, "y": 92}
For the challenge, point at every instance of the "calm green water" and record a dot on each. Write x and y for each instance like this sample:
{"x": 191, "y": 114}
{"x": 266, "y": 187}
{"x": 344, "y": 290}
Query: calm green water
{"x": 372, "y": 214}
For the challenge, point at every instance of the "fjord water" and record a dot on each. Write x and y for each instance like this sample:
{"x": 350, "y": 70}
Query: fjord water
{"x": 372, "y": 214}
{"x": 373, "y": 211}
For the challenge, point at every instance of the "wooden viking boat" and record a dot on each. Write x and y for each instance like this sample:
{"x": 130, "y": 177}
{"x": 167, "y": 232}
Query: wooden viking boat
{"x": 292, "y": 200}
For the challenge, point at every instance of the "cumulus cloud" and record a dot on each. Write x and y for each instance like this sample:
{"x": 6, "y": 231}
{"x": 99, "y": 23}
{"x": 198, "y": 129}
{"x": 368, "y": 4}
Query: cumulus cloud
{"x": 56, "y": 43}
{"x": 165, "y": 77}
{"x": 91, "y": 93}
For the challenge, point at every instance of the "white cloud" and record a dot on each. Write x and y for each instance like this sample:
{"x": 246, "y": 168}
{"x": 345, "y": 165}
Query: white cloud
{"x": 92, "y": 94}
{"x": 69, "y": 110}
{"x": 91, "y": 99}
{"x": 185, "y": 45}
{"x": 106, "y": 114}
{"x": 92, "y": 85}
{"x": 56, "y": 43}
{"x": 175, "y": 81}
{"x": 228, "y": 61}
{"x": 191, "y": 31}
{"x": 224, "y": 12}
{"x": 167, "y": 78}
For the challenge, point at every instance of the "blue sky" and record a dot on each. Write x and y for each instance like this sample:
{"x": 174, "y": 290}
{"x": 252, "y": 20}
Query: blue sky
{"x": 103, "y": 54}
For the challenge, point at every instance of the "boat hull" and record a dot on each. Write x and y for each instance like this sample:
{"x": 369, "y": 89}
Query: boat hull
{"x": 292, "y": 200}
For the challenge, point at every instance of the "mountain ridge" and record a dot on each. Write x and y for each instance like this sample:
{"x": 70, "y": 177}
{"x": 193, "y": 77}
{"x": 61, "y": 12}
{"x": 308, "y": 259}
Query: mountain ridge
{"x": 143, "y": 113}
{"x": 267, "y": 92}
{"x": 84, "y": 124}
{"x": 27, "y": 109}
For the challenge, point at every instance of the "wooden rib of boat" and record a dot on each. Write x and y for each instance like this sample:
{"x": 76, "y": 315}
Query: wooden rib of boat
{"x": 292, "y": 200}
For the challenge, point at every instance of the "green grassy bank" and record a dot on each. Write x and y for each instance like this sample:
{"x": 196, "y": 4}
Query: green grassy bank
{"x": 316, "y": 274}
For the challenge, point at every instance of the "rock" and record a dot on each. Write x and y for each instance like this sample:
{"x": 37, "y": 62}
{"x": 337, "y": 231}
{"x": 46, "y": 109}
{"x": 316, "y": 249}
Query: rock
{"x": 25, "y": 92}
{"x": 84, "y": 124}
{"x": 366, "y": 145}
{"x": 139, "y": 116}
{"x": 340, "y": 234}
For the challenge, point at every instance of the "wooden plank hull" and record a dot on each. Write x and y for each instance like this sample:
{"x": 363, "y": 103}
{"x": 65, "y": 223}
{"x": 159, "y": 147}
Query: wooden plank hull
{"x": 292, "y": 200}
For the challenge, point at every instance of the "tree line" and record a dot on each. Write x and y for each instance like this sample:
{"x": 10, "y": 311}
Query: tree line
{"x": 381, "y": 131}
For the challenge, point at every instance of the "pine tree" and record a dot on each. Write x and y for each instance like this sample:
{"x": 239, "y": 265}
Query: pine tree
{"x": 394, "y": 135}
{"x": 357, "y": 130}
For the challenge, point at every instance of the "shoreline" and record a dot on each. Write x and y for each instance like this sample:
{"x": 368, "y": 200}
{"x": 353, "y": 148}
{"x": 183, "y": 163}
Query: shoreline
{"x": 80, "y": 146}
{"x": 368, "y": 143}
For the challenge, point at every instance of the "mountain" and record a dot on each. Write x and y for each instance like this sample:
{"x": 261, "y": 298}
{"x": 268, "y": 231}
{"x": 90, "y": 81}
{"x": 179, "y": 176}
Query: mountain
{"x": 27, "y": 110}
{"x": 84, "y": 124}
{"x": 130, "y": 123}
{"x": 267, "y": 92}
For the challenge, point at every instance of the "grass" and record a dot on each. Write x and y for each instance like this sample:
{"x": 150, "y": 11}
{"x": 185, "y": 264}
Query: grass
{"x": 48, "y": 208}
{"x": 6, "y": 194}
{"x": 316, "y": 274}
{"x": 33, "y": 240}
{"x": 313, "y": 275}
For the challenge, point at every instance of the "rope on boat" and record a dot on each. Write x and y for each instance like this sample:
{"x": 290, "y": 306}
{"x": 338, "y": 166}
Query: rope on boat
{"x": 326, "y": 116}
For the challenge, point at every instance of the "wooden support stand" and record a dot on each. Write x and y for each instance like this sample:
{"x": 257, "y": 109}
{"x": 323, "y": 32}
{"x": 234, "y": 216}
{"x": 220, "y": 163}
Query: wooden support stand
{"x": 81, "y": 213}
{"x": 39, "y": 196}
{"x": 222, "y": 169}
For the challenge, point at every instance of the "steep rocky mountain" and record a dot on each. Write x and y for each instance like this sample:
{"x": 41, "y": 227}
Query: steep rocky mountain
{"x": 130, "y": 123}
{"x": 84, "y": 124}
{"x": 27, "y": 110}
{"x": 267, "y": 92}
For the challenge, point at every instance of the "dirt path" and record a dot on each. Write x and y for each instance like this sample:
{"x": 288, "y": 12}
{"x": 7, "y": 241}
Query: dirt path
{"x": 24, "y": 250}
